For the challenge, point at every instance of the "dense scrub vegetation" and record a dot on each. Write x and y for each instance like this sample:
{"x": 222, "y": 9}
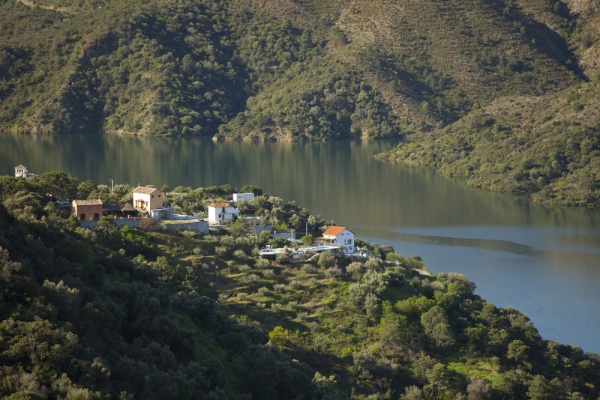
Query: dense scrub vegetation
{"x": 123, "y": 313}
{"x": 282, "y": 70}
{"x": 547, "y": 147}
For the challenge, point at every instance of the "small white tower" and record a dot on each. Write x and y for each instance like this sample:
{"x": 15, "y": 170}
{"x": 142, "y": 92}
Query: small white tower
{"x": 21, "y": 172}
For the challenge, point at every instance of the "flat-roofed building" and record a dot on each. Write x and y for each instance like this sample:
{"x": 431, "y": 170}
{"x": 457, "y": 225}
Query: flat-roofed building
{"x": 242, "y": 196}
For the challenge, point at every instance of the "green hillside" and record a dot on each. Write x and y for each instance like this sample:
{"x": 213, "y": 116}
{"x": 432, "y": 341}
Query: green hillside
{"x": 547, "y": 147}
{"x": 158, "y": 314}
{"x": 272, "y": 70}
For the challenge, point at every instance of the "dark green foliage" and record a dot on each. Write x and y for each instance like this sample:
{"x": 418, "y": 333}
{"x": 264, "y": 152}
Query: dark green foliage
{"x": 546, "y": 147}
{"x": 128, "y": 313}
{"x": 288, "y": 71}
{"x": 80, "y": 319}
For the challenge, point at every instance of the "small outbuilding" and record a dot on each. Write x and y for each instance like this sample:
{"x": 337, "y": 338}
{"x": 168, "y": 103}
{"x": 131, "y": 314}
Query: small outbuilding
{"x": 87, "y": 210}
{"x": 242, "y": 196}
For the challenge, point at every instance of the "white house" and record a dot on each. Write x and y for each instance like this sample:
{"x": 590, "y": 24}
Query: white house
{"x": 242, "y": 196}
{"x": 341, "y": 237}
{"x": 21, "y": 171}
{"x": 221, "y": 212}
{"x": 146, "y": 198}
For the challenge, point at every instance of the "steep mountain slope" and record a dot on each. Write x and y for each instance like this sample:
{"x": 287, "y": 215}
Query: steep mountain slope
{"x": 271, "y": 69}
{"x": 546, "y": 146}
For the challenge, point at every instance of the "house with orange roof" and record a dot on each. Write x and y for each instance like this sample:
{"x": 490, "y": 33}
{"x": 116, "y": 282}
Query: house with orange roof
{"x": 221, "y": 212}
{"x": 340, "y": 236}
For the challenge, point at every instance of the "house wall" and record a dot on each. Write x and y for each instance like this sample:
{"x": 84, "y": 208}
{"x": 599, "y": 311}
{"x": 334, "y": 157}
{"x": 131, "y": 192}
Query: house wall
{"x": 21, "y": 172}
{"x": 345, "y": 239}
{"x": 141, "y": 197}
{"x": 258, "y": 229}
{"x": 121, "y": 222}
{"x": 156, "y": 200}
{"x": 227, "y": 213}
{"x": 198, "y": 226}
{"x": 162, "y": 213}
{"x": 88, "y": 210}
{"x": 151, "y": 201}
{"x": 243, "y": 196}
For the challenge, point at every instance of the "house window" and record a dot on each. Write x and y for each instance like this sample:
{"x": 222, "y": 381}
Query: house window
{"x": 152, "y": 196}
{"x": 96, "y": 216}
{"x": 82, "y": 217}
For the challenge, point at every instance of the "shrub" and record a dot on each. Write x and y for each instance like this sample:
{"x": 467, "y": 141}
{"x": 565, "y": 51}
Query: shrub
{"x": 295, "y": 284}
{"x": 264, "y": 290}
{"x": 220, "y": 251}
{"x": 279, "y": 288}
{"x": 282, "y": 258}
{"x": 244, "y": 268}
{"x": 302, "y": 256}
{"x": 306, "y": 268}
{"x": 374, "y": 264}
{"x": 268, "y": 273}
{"x": 355, "y": 269}
{"x": 333, "y": 272}
{"x": 262, "y": 263}
{"x": 240, "y": 255}
{"x": 326, "y": 260}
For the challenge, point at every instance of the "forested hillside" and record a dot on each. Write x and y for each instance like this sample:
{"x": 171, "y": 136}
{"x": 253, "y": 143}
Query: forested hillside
{"x": 154, "y": 314}
{"x": 547, "y": 147}
{"x": 273, "y": 69}
{"x": 502, "y": 93}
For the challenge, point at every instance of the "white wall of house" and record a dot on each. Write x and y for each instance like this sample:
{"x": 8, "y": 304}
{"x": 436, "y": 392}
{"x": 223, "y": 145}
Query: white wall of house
{"x": 243, "y": 196}
{"x": 21, "y": 172}
{"x": 218, "y": 213}
{"x": 344, "y": 239}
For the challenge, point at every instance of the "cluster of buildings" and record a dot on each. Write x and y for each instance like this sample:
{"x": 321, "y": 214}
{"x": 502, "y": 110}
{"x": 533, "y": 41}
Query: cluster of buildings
{"x": 149, "y": 202}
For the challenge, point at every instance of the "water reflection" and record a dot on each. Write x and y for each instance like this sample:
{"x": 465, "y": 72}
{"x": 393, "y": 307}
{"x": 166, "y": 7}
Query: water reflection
{"x": 542, "y": 260}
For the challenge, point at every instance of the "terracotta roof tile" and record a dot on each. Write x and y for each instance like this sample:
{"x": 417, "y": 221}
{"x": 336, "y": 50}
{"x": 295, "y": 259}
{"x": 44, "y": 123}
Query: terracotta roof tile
{"x": 21, "y": 166}
{"x": 333, "y": 231}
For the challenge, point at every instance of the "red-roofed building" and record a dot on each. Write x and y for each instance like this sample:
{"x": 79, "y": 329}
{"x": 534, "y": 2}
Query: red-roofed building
{"x": 340, "y": 236}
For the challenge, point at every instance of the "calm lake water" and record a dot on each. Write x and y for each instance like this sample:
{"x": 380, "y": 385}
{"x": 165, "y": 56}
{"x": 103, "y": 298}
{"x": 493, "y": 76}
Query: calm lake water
{"x": 543, "y": 261}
